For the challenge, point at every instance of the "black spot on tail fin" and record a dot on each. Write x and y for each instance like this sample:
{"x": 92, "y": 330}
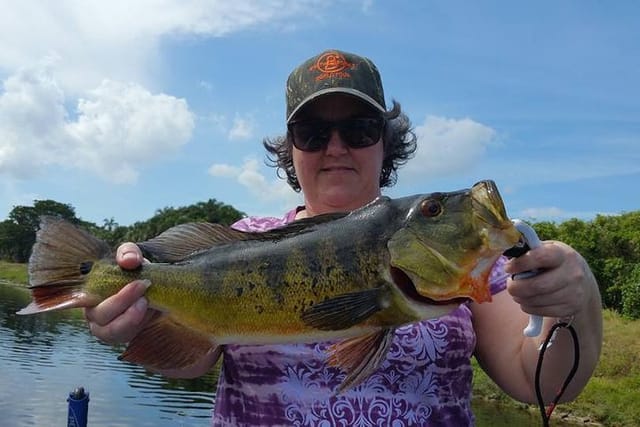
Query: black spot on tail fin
{"x": 60, "y": 261}
{"x": 63, "y": 253}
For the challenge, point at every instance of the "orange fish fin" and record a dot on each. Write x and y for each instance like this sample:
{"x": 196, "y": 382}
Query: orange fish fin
{"x": 63, "y": 253}
{"x": 61, "y": 258}
{"x": 346, "y": 310}
{"x": 166, "y": 344}
{"x": 47, "y": 298}
{"x": 359, "y": 357}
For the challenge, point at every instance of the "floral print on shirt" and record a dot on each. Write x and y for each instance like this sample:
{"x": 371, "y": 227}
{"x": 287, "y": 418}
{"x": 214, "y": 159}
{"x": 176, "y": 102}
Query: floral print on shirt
{"x": 425, "y": 379}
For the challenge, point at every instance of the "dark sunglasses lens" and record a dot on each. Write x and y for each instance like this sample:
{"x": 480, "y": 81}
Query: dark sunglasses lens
{"x": 356, "y": 133}
{"x": 311, "y": 135}
{"x": 360, "y": 133}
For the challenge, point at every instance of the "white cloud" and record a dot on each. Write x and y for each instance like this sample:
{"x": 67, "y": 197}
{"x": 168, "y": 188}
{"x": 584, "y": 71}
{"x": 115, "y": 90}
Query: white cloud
{"x": 118, "y": 128}
{"x": 544, "y": 212}
{"x": 76, "y": 52}
{"x": 227, "y": 171}
{"x": 449, "y": 146}
{"x": 120, "y": 39}
{"x": 123, "y": 126}
{"x": 32, "y": 116}
{"x": 552, "y": 213}
{"x": 242, "y": 129}
{"x": 250, "y": 177}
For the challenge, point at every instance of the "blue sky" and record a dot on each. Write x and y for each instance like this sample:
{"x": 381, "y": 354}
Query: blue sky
{"x": 121, "y": 108}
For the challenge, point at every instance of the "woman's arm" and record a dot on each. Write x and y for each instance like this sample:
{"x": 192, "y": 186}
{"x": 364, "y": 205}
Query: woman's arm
{"x": 565, "y": 289}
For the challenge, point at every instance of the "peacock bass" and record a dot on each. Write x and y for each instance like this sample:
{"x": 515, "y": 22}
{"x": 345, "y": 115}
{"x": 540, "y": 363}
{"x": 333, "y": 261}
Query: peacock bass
{"x": 349, "y": 277}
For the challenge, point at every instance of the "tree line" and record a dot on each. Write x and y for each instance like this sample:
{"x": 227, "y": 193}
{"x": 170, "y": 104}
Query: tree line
{"x": 18, "y": 231}
{"x": 609, "y": 243}
{"x": 611, "y": 246}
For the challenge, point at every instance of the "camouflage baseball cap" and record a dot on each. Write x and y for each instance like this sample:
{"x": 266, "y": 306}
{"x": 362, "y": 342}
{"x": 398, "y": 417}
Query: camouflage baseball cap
{"x": 334, "y": 71}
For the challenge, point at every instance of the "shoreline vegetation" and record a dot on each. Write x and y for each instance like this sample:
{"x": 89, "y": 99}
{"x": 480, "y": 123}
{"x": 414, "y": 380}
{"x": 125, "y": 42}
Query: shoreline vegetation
{"x": 610, "y": 398}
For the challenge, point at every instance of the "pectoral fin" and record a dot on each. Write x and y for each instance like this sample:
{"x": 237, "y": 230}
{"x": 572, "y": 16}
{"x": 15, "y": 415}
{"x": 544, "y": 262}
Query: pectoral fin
{"x": 359, "y": 357}
{"x": 346, "y": 310}
{"x": 166, "y": 344}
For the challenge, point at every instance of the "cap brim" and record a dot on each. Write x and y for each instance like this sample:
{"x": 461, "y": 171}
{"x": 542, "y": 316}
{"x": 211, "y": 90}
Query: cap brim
{"x": 349, "y": 91}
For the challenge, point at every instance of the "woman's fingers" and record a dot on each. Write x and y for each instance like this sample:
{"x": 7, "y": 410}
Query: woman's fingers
{"x": 120, "y": 317}
{"x": 561, "y": 286}
{"x": 129, "y": 256}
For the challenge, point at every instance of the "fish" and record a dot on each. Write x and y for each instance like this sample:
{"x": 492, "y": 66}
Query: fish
{"x": 349, "y": 277}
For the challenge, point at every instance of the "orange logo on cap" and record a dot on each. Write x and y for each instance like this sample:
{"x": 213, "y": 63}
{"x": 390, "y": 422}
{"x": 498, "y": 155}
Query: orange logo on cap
{"x": 332, "y": 64}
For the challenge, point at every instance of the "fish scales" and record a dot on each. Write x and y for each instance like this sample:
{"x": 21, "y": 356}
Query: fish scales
{"x": 295, "y": 275}
{"x": 347, "y": 277}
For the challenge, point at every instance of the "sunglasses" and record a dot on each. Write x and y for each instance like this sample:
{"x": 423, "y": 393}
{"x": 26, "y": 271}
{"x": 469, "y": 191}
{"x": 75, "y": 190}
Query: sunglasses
{"x": 314, "y": 135}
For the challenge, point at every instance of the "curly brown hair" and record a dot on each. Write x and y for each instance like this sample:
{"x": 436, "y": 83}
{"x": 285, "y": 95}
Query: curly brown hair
{"x": 399, "y": 144}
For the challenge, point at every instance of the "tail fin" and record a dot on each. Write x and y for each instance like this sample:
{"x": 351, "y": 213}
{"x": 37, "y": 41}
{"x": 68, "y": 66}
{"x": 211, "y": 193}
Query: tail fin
{"x": 60, "y": 260}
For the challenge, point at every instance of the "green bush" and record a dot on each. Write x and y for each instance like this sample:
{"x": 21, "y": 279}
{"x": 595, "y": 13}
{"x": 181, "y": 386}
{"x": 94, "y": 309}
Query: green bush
{"x": 631, "y": 294}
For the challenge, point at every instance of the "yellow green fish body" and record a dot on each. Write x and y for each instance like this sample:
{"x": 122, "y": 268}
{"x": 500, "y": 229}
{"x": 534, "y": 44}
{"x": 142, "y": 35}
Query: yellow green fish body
{"x": 353, "y": 277}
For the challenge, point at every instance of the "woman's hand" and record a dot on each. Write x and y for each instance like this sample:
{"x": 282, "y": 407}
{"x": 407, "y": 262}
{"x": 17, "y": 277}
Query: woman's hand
{"x": 120, "y": 317}
{"x": 563, "y": 287}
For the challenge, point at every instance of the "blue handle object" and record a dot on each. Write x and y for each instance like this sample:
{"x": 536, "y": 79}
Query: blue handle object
{"x": 534, "y": 327}
{"x": 78, "y": 408}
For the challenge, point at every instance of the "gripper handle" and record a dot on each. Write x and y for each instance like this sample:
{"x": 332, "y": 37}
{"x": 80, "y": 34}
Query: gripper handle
{"x": 534, "y": 327}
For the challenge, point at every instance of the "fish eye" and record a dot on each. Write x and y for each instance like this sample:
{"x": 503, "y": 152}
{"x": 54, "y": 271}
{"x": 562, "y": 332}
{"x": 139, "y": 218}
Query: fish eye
{"x": 430, "y": 208}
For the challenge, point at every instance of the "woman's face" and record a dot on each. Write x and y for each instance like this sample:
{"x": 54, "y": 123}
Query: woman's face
{"x": 337, "y": 177}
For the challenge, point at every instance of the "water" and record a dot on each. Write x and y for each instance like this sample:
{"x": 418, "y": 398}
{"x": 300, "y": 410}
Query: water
{"x": 44, "y": 357}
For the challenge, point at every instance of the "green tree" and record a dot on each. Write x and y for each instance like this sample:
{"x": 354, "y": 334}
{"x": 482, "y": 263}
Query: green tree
{"x": 546, "y": 230}
{"x": 611, "y": 246}
{"x": 18, "y": 232}
{"x": 10, "y": 234}
{"x": 630, "y": 292}
{"x": 209, "y": 211}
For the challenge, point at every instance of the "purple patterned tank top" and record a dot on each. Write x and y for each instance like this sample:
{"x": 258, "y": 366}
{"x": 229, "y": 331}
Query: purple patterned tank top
{"x": 426, "y": 379}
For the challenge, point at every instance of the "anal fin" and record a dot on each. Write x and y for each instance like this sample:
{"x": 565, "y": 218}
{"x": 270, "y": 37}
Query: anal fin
{"x": 165, "y": 344}
{"x": 359, "y": 357}
{"x": 48, "y": 298}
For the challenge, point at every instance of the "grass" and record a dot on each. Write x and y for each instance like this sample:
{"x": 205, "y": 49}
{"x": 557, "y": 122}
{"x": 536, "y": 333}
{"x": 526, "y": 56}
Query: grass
{"x": 611, "y": 397}
{"x": 613, "y": 393}
{"x": 12, "y": 272}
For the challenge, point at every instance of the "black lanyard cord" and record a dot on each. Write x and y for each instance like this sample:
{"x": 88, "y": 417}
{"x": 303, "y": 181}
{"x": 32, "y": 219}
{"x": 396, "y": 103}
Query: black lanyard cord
{"x": 545, "y": 412}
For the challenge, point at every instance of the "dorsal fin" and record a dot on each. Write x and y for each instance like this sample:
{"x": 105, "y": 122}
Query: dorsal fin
{"x": 180, "y": 241}
{"x": 298, "y": 226}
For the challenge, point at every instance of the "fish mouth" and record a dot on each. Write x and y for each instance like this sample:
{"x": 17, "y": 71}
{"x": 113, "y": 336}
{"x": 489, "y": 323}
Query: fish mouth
{"x": 405, "y": 285}
{"x": 488, "y": 207}
{"x": 488, "y": 203}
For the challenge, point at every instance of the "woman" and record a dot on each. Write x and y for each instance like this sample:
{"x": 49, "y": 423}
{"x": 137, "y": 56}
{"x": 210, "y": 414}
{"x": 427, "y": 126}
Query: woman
{"x": 342, "y": 146}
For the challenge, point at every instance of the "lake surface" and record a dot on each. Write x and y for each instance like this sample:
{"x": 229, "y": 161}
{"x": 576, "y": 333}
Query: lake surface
{"x": 44, "y": 357}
